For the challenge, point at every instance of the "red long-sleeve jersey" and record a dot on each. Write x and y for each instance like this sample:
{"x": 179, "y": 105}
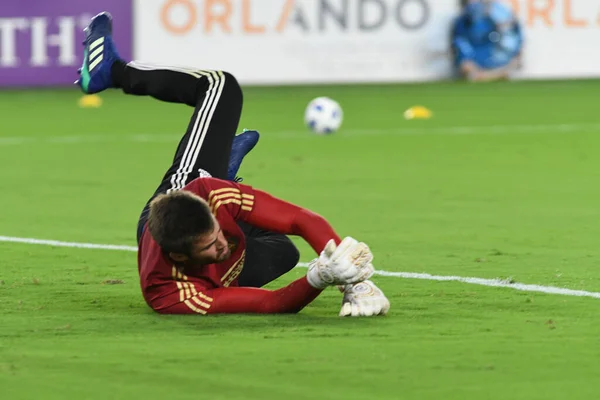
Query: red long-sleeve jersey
{"x": 213, "y": 288}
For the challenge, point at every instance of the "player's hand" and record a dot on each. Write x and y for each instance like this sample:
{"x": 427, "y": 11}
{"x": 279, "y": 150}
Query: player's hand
{"x": 364, "y": 299}
{"x": 350, "y": 262}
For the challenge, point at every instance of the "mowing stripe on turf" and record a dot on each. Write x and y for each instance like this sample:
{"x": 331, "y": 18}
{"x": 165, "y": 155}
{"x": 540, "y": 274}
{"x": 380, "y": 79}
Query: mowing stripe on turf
{"x": 175, "y": 137}
{"x": 406, "y": 275}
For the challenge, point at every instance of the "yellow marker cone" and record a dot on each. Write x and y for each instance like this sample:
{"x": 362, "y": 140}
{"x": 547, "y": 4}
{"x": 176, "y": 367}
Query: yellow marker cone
{"x": 418, "y": 112}
{"x": 90, "y": 101}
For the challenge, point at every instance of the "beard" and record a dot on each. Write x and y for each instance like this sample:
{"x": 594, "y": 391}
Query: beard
{"x": 220, "y": 257}
{"x": 199, "y": 262}
{"x": 224, "y": 255}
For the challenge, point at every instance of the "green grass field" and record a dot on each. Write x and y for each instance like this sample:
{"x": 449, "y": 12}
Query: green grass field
{"x": 502, "y": 183}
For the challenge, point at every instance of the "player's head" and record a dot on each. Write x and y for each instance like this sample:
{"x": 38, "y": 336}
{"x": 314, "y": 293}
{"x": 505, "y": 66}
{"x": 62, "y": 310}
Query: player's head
{"x": 185, "y": 228}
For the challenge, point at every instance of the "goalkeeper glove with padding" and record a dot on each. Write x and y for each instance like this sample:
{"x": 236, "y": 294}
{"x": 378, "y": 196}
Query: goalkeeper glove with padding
{"x": 364, "y": 299}
{"x": 350, "y": 262}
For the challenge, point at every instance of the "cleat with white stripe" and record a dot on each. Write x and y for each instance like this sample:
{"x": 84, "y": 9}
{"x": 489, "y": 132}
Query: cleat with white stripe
{"x": 99, "y": 55}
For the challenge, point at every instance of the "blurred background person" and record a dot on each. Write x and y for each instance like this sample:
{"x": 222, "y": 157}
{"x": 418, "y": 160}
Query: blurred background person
{"x": 487, "y": 41}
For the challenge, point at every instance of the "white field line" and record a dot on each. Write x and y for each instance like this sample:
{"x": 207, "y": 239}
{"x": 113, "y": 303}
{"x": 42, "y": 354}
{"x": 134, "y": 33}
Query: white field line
{"x": 174, "y": 137}
{"x": 56, "y": 243}
{"x": 406, "y": 275}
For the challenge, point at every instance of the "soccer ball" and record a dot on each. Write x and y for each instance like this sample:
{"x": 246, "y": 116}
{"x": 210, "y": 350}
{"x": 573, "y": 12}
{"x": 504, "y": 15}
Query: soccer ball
{"x": 323, "y": 116}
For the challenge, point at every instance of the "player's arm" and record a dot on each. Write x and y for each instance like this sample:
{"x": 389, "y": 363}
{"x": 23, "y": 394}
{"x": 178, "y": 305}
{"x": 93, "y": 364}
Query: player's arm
{"x": 347, "y": 263}
{"x": 265, "y": 211}
{"x": 277, "y": 215}
{"x": 189, "y": 297}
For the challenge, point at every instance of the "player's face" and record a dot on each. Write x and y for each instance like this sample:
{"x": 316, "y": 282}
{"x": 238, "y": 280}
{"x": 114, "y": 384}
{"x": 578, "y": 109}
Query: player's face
{"x": 211, "y": 248}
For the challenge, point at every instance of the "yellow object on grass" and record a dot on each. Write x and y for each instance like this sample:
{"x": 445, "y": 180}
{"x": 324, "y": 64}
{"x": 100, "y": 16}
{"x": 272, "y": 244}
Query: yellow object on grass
{"x": 418, "y": 112}
{"x": 90, "y": 100}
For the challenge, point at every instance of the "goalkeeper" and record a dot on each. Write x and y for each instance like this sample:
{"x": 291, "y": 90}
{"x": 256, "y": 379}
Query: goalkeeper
{"x": 207, "y": 243}
{"x": 486, "y": 41}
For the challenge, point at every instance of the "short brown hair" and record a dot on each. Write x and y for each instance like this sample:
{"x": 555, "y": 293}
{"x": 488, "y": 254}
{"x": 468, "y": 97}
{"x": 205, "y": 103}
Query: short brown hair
{"x": 177, "y": 219}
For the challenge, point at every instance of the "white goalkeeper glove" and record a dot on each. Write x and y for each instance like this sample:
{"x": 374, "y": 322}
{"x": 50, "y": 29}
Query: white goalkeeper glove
{"x": 350, "y": 262}
{"x": 363, "y": 299}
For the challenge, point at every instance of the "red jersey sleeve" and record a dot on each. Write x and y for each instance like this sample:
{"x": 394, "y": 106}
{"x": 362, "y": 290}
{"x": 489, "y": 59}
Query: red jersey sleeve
{"x": 182, "y": 294}
{"x": 186, "y": 297}
{"x": 278, "y": 215}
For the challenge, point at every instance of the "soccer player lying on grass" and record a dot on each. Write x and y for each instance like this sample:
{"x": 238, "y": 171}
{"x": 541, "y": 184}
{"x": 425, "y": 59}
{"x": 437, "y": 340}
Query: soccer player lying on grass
{"x": 208, "y": 243}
